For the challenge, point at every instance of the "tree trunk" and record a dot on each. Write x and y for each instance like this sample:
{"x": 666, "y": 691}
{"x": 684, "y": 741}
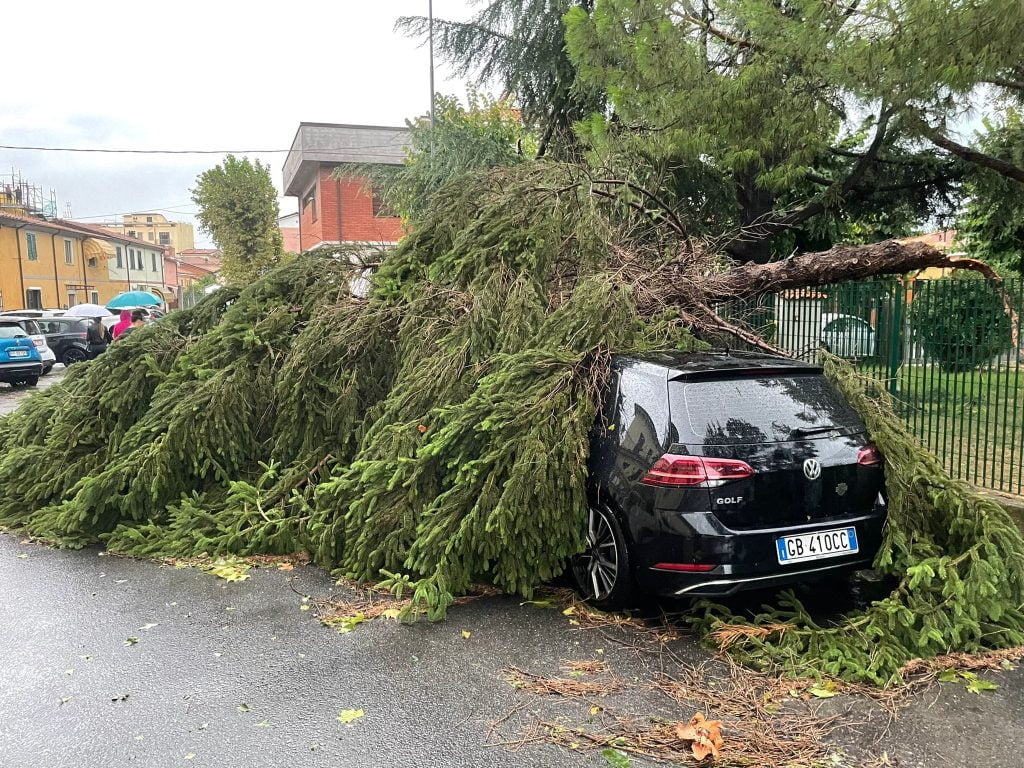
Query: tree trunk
{"x": 840, "y": 264}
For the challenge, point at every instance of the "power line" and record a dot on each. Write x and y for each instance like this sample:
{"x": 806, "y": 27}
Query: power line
{"x": 335, "y": 152}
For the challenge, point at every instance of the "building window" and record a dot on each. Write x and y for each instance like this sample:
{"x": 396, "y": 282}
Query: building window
{"x": 93, "y": 262}
{"x": 72, "y": 299}
{"x": 120, "y": 259}
{"x": 310, "y": 201}
{"x": 149, "y": 219}
{"x": 150, "y": 235}
{"x": 69, "y": 252}
{"x": 131, "y": 233}
{"x": 34, "y": 298}
{"x": 95, "y": 298}
{"x": 381, "y": 209}
{"x": 153, "y": 256}
{"x": 165, "y": 238}
{"x": 33, "y": 252}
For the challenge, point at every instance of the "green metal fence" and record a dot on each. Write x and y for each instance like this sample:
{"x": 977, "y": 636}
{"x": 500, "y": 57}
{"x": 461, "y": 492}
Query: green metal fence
{"x": 948, "y": 350}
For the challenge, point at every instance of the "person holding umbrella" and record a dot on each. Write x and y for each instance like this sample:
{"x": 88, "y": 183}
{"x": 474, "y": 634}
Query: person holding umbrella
{"x": 124, "y": 322}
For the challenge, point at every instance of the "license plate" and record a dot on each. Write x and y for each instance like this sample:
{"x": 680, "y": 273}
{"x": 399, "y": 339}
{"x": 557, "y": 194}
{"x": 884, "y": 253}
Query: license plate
{"x": 18, "y": 353}
{"x": 817, "y": 545}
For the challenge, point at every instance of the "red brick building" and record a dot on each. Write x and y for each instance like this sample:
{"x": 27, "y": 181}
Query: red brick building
{"x": 337, "y": 208}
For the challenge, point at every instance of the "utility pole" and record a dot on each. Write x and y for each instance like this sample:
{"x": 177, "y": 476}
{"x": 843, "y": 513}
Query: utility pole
{"x": 430, "y": 17}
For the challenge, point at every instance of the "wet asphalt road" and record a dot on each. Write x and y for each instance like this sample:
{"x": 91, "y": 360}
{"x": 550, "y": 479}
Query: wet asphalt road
{"x": 75, "y": 693}
{"x": 11, "y": 396}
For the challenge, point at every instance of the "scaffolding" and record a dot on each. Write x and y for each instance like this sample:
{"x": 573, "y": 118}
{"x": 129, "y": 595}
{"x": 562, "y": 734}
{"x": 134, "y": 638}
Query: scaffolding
{"x": 21, "y": 197}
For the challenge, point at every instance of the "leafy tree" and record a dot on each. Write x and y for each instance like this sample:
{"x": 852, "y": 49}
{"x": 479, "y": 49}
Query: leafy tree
{"x": 238, "y": 207}
{"x": 813, "y": 110}
{"x": 485, "y": 134}
{"x": 520, "y": 45}
{"x": 961, "y": 322}
{"x": 992, "y": 223}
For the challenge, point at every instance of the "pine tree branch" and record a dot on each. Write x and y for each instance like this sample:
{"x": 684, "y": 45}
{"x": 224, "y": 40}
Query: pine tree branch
{"x": 1009, "y": 170}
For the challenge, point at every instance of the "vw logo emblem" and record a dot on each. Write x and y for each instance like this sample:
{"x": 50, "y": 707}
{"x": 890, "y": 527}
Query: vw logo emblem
{"x": 812, "y": 469}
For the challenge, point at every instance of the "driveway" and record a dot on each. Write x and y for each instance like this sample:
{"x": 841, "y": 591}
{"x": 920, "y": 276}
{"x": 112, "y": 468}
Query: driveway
{"x": 11, "y": 396}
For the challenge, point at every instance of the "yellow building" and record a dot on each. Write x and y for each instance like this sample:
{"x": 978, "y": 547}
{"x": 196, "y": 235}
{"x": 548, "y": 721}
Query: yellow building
{"x": 56, "y": 264}
{"x": 155, "y": 229}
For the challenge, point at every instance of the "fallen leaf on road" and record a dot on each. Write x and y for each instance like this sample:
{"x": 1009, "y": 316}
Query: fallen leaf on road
{"x": 616, "y": 758}
{"x": 69, "y": 671}
{"x": 147, "y": 626}
{"x": 131, "y": 640}
{"x": 229, "y": 569}
{"x": 190, "y": 756}
{"x": 243, "y": 707}
{"x": 65, "y": 700}
{"x": 304, "y": 607}
{"x": 705, "y": 735}
{"x": 263, "y": 724}
{"x": 23, "y": 556}
{"x": 348, "y": 716}
{"x": 286, "y": 567}
{"x": 466, "y": 634}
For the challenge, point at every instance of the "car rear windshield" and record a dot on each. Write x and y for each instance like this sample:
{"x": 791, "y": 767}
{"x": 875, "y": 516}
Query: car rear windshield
{"x": 11, "y": 332}
{"x": 759, "y": 410}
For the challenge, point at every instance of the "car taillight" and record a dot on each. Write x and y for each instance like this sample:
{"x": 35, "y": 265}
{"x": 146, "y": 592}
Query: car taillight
{"x": 869, "y": 455}
{"x": 686, "y": 567}
{"x": 82, "y": 335}
{"x": 39, "y": 342}
{"x": 673, "y": 471}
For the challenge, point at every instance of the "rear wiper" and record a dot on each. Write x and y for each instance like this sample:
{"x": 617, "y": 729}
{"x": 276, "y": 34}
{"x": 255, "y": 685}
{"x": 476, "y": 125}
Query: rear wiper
{"x": 814, "y": 430}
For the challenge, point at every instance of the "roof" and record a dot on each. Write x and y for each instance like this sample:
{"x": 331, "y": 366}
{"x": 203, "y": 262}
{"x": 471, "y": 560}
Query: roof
{"x": 674, "y": 364}
{"x": 943, "y": 239}
{"x": 317, "y": 144}
{"x": 199, "y": 252}
{"x": 75, "y": 228}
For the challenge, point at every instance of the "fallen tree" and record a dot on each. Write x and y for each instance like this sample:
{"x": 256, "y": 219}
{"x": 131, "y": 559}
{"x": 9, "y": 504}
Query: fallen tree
{"x": 436, "y": 433}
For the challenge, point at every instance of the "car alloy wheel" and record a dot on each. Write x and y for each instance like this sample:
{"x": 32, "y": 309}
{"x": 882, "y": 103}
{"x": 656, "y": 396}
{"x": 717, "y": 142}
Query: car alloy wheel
{"x": 74, "y": 355}
{"x": 598, "y": 567}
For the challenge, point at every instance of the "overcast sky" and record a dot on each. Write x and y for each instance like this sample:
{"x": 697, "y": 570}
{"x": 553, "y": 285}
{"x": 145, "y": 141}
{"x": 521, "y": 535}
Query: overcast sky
{"x": 195, "y": 75}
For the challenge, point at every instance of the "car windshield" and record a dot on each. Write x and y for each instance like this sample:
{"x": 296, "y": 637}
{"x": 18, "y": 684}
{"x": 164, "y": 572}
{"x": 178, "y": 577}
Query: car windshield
{"x": 30, "y": 327}
{"x": 759, "y": 410}
{"x": 12, "y": 332}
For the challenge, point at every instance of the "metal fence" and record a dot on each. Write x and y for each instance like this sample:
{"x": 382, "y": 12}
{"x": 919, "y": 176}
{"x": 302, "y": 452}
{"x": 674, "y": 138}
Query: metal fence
{"x": 948, "y": 349}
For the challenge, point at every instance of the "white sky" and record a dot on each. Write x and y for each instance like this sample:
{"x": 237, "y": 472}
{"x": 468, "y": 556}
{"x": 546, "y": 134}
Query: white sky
{"x": 195, "y": 74}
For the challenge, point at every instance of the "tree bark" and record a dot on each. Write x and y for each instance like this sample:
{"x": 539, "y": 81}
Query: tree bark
{"x": 1009, "y": 170}
{"x": 840, "y": 264}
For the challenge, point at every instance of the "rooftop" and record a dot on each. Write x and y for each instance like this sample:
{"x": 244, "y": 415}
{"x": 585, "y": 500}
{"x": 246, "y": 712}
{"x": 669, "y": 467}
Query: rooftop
{"x": 338, "y": 143}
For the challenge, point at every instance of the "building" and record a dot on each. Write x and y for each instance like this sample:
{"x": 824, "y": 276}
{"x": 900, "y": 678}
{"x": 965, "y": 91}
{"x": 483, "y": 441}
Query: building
{"x": 155, "y": 229}
{"x": 289, "y": 228}
{"x": 184, "y": 271}
{"x": 344, "y": 209}
{"x": 944, "y": 240}
{"x": 54, "y": 263}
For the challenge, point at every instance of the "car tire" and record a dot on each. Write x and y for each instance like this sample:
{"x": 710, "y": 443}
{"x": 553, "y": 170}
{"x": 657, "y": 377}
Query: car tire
{"x": 73, "y": 355}
{"x": 603, "y": 572}
{"x": 31, "y": 381}
{"x": 47, "y": 369}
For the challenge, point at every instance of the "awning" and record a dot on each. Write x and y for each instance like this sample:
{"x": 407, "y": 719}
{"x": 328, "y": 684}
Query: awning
{"x": 100, "y": 250}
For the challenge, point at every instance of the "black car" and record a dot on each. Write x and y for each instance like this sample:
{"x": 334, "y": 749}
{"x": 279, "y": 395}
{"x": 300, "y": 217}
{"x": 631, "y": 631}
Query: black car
{"x": 68, "y": 337}
{"x": 715, "y": 472}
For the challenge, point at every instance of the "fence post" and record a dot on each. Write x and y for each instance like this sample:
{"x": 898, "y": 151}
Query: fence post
{"x": 896, "y": 337}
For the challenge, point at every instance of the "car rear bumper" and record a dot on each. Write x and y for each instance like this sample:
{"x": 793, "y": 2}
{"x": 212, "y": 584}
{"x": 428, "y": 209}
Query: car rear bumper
{"x": 20, "y": 370}
{"x": 746, "y": 559}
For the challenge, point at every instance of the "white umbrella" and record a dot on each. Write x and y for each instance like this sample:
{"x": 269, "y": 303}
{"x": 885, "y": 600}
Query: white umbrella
{"x": 88, "y": 310}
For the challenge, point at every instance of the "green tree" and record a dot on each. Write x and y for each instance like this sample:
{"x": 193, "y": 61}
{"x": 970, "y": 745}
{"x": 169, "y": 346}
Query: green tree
{"x": 520, "y": 44}
{"x": 992, "y": 223}
{"x": 238, "y": 207}
{"x": 815, "y": 112}
{"x": 961, "y": 322}
{"x": 485, "y": 134}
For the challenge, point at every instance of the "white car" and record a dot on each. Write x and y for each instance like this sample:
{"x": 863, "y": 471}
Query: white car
{"x": 847, "y": 335}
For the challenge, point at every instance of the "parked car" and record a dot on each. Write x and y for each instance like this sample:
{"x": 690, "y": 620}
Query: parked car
{"x": 68, "y": 337}
{"x": 847, "y": 335}
{"x": 20, "y": 364}
{"x": 30, "y": 327}
{"x": 715, "y": 472}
